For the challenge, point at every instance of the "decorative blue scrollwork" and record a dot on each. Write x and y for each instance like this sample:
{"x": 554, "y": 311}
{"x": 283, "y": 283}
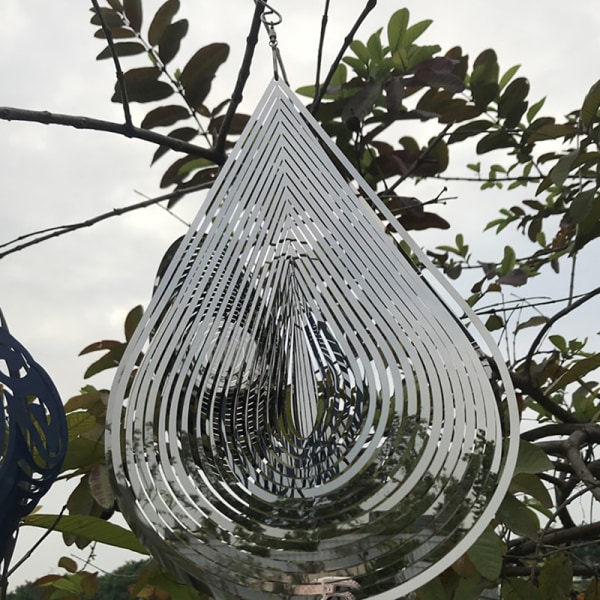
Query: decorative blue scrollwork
{"x": 33, "y": 437}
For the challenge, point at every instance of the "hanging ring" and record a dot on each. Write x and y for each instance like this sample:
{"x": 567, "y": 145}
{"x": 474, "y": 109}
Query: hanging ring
{"x": 277, "y": 19}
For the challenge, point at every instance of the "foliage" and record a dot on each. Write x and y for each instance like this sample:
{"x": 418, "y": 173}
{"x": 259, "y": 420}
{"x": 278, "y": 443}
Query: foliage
{"x": 535, "y": 546}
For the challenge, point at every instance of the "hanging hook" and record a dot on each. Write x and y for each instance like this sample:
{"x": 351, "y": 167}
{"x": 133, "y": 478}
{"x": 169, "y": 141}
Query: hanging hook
{"x": 268, "y": 12}
{"x": 270, "y": 27}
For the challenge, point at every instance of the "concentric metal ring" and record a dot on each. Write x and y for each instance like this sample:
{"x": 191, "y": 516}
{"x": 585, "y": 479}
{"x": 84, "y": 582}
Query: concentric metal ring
{"x": 308, "y": 409}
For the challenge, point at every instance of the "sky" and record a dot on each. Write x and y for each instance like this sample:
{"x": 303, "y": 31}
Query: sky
{"x": 61, "y": 295}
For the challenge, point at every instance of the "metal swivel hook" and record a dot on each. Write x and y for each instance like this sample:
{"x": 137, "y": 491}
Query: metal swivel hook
{"x": 270, "y": 18}
{"x": 268, "y": 12}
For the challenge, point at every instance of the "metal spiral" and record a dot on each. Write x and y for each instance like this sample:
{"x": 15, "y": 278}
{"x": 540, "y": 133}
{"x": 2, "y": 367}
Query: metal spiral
{"x": 311, "y": 411}
{"x": 33, "y": 436}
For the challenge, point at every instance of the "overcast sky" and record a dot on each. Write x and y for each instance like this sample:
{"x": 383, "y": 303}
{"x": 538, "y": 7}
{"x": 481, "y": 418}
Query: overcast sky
{"x": 68, "y": 292}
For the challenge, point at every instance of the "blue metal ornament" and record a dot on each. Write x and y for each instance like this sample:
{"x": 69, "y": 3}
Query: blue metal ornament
{"x": 33, "y": 437}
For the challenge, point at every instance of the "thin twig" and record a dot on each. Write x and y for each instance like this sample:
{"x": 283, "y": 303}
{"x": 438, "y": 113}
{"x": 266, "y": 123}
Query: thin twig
{"x": 550, "y": 323}
{"x": 115, "y": 212}
{"x": 35, "y": 546}
{"x": 8, "y": 113}
{"x": 243, "y": 74}
{"x": 324, "y": 21}
{"x": 347, "y": 41}
{"x": 423, "y": 156}
{"x": 119, "y": 72}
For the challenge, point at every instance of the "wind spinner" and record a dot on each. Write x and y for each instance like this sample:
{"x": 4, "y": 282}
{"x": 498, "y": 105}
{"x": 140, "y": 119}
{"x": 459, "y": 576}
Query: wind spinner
{"x": 33, "y": 437}
{"x": 310, "y": 417}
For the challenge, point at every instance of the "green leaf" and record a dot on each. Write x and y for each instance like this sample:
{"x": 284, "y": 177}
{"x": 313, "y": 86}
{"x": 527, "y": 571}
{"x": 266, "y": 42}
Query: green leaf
{"x": 100, "y": 486}
{"x": 582, "y": 206}
{"x": 593, "y": 590}
{"x": 560, "y": 171}
{"x": 514, "y": 588}
{"x": 494, "y": 322}
{"x": 68, "y": 564}
{"x": 162, "y": 19}
{"x": 122, "y": 49}
{"x": 192, "y": 165}
{"x": 197, "y": 75}
{"x": 508, "y": 76}
{"x": 518, "y": 518}
{"x": 580, "y": 369}
{"x": 397, "y": 26}
{"x": 415, "y": 31}
{"x": 494, "y": 141}
{"x": 170, "y": 41}
{"x": 433, "y": 590}
{"x": 360, "y": 50}
{"x": 556, "y": 578}
{"x": 93, "y": 528}
{"x": 484, "y": 78}
{"x": 375, "y": 47}
{"x": 534, "y": 109}
{"x": 133, "y": 12}
{"x": 531, "y": 459}
{"x": 79, "y": 422}
{"x": 132, "y": 320}
{"x": 469, "y": 129}
{"x": 486, "y": 554}
{"x": 532, "y": 322}
{"x": 591, "y": 104}
{"x": 509, "y": 260}
{"x": 531, "y": 484}
{"x": 165, "y": 115}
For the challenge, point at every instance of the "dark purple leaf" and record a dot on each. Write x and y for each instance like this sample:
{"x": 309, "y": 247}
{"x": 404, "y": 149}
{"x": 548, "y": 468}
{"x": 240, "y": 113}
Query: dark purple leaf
{"x": 164, "y": 116}
{"x": 133, "y": 12}
{"x": 170, "y": 41}
{"x": 162, "y": 19}
{"x": 111, "y": 18}
{"x": 236, "y": 127}
{"x": 197, "y": 75}
{"x": 516, "y": 277}
{"x": 122, "y": 49}
{"x": 185, "y": 134}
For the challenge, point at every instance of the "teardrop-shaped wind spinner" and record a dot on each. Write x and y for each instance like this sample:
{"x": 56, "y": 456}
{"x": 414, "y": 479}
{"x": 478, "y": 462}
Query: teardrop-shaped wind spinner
{"x": 309, "y": 416}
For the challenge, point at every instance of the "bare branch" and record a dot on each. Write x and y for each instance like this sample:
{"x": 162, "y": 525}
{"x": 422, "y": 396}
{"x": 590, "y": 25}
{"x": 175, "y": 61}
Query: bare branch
{"x": 243, "y": 74}
{"x": 118, "y": 70}
{"x": 8, "y": 113}
{"x": 572, "y": 454}
{"x": 54, "y": 232}
{"x": 523, "y": 547}
{"x": 347, "y": 41}
{"x": 524, "y": 383}
{"x": 35, "y": 546}
{"x": 324, "y": 20}
{"x": 553, "y": 429}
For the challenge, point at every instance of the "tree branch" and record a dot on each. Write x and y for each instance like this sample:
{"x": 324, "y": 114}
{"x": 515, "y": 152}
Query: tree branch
{"x": 118, "y": 70}
{"x": 324, "y": 20}
{"x": 524, "y": 383}
{"x": 8, "y": 113}
{"x": 54, "y": 232}
{"x": 560, "y": 429}
{"x": 347, "y": 41}
{"x": 523, "y": 547}
{"x": 243, "y": 74}
{"x": 580, "y": 469}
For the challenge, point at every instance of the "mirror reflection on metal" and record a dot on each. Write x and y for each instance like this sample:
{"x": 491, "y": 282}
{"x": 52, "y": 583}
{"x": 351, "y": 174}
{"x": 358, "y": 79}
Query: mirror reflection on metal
{"x": 312, "y": 411}
{"x": 33, "y": 437}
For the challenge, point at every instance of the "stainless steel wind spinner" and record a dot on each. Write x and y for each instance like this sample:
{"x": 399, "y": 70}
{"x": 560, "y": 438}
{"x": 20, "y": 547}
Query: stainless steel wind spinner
{"x": 309, "y": 414}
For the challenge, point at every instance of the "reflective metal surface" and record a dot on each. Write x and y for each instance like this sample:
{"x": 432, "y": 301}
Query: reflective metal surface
{"x": 309, "y": 413}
